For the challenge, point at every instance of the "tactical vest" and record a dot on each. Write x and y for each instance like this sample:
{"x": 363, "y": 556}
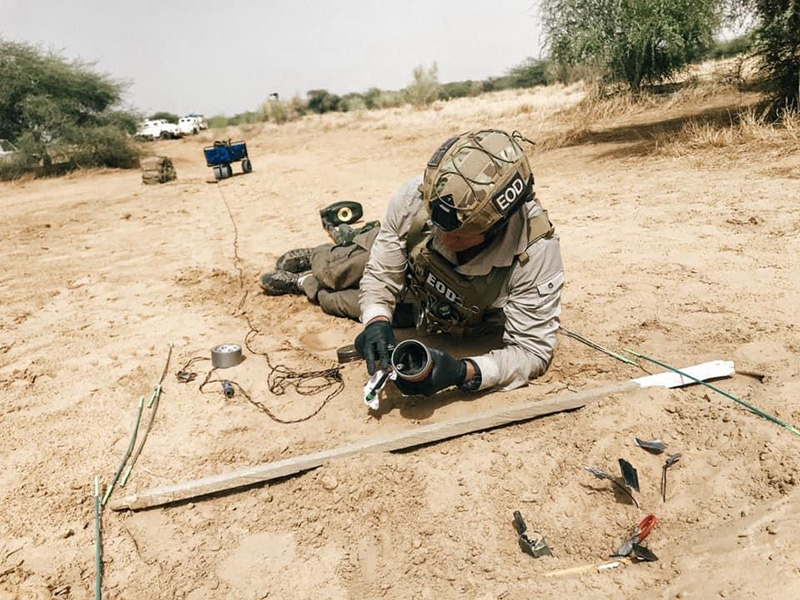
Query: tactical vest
{"x": 446, "y": 301}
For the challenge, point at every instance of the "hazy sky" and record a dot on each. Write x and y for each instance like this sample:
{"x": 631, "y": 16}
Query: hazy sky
{"x": 216, "y": 56}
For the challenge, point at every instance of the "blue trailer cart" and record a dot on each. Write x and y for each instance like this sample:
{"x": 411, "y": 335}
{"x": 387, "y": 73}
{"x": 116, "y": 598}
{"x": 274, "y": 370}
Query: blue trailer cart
{"x": 222, "y": 154}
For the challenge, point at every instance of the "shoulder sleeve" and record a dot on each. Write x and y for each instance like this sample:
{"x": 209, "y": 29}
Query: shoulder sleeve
{"x": 532, "y": 317}
{"x": 384, "y": 275}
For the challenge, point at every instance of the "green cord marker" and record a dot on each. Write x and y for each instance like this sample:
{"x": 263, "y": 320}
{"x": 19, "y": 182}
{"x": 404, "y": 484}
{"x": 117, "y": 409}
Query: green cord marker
{"x": 127, "y": 454}
{"x": 596, "y": 346}
{"x": 750, "y": 407}
{"x": 98, "y": 546}
{"x": 154, "y": 396}
{"x": 153, "y": 404}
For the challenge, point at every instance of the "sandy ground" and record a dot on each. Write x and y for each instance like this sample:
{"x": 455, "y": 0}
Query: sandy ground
{"x": 687, "y": 260}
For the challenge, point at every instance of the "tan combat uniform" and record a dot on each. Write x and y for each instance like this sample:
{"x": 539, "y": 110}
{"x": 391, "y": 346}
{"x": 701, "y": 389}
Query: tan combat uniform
{"x": 530, "y": 299}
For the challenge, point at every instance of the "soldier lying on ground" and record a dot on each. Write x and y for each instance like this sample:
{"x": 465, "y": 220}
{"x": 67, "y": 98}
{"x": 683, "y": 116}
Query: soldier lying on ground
{"x": 465, "y": 249}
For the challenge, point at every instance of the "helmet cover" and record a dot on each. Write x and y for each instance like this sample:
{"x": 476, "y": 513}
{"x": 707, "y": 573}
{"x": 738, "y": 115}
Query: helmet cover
{"x": 475, "y": 181}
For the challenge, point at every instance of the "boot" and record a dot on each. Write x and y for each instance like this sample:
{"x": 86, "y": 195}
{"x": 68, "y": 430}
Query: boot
{"x": 295, "y": 261}
{"x": 280, "y": 282}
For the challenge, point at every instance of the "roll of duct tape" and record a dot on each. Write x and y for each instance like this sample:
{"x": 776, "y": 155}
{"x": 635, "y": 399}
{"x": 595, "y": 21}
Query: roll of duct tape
{"x": 226, "y": 355}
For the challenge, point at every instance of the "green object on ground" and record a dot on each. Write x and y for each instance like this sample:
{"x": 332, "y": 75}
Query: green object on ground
{"x": 127, "y": 454}
{"x": 98, "y": 546}
{"x": 596, "y": 346}
{"x": 153, "y": 403}
{"x": 748, "y": 406}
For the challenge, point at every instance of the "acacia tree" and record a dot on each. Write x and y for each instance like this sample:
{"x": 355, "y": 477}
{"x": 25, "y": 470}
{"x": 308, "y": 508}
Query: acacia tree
{"x": 639, "y": 42}
{"x": 62, "y": 110}
{"x": 167, "y": 116}
{"x": 778, "y": 44}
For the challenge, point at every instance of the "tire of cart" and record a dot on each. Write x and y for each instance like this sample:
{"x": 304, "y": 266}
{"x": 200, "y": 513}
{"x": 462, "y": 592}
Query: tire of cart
{"x": 247, "y": 166}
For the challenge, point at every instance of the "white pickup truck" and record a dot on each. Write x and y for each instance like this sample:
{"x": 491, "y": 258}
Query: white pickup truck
{"x": 202, "y": 123}
{"x": 189, "y": 125}
{"x": 159, "y": 129}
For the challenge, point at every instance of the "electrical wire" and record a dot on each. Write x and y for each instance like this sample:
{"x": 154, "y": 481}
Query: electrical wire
{"x": 280, "y": 378}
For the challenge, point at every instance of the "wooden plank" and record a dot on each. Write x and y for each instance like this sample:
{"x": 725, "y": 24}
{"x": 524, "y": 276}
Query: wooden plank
{"x": 398, "y": 441}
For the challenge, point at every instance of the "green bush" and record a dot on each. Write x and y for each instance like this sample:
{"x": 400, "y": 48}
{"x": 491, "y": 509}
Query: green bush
{"x": 61, "y": 113}
{"x": 244, "y": 118}
{"x": 529, "y": 73}
{"x": 425, "y": 87}
{"x": 322, "y": 101}
{"x": 456, "y": 89}
{"x": 390, "y": 99}
{"x": 218, "y": 122}
{"x": 282, "y": 111}
{"x": 13, "y": 168}
{"x": 106, "y": 145}
{"x": 777, "y": 41}
{"x": 352, "y": 103}
{"x": 274, "y": 111}
{"x": 371, "y": 97}
{"x": 639, "y": 42}
{"x": 167, "y": 116}
{"x": 733, "y": 47}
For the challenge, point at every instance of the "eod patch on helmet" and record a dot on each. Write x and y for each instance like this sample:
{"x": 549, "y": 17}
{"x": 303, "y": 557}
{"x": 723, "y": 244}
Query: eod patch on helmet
{"x": 475, "y": 181}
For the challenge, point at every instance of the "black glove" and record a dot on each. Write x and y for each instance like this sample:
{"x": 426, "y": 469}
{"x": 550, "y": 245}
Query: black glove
{"x": 446, "y": 372}
{"x": 375, "y": 344}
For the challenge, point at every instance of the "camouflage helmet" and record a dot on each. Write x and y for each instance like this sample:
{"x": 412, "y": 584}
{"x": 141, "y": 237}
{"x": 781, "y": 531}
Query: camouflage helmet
{"x": 475, "y": 181}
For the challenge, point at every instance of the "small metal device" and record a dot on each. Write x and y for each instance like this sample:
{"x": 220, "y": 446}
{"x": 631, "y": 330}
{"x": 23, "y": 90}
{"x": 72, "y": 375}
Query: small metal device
{"x": 653, "y": 446}
{"x": 375, "y": 385}
{"x": 629, "y": 474}
{"x": 604, "y": 475}
{"x": 671, "y": 460}
{"x": 632, "y": 545}
{"x": 535, "y": 544}
{"x": 225, "y": 356}
{"x": 345, "y": 212}
{"x": 227, "y": 389}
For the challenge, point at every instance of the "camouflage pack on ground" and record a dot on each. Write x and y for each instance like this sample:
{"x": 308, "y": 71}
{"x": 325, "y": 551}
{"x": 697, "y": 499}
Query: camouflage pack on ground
{"x": 157, "y": 169}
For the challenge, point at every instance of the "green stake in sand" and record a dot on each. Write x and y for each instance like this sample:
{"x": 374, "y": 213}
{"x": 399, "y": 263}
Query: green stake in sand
{"x": 127, "y": 454}
{"x": 153, "y": 404}
{"x": 98, "y": 546}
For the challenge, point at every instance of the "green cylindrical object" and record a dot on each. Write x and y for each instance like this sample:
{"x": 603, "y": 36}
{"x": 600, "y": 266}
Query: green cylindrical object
{"x": 98, "y": 545}
{"x": 127, "y": 454}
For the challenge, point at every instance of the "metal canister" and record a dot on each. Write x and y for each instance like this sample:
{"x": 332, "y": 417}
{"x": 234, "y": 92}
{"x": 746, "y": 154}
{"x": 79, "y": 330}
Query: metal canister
{"x": 411, "y": 360}
{"x": 225, "y": 356}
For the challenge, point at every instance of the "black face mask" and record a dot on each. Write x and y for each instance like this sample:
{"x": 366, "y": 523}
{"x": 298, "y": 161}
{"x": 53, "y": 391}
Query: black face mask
{"x": 444, "y": 214}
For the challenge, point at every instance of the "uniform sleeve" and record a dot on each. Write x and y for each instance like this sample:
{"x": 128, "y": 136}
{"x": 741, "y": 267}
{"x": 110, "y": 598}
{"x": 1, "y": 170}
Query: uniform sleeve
{"x": 532, "y": 310}
{"x": 384, "y": 275}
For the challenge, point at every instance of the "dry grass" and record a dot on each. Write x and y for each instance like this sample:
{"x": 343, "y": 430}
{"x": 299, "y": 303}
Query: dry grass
{"x": 604, "y": 106}
{"x": 743, "y": 132}
{"x": 561, "y": 115}
{"x": 527, "y": 110}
